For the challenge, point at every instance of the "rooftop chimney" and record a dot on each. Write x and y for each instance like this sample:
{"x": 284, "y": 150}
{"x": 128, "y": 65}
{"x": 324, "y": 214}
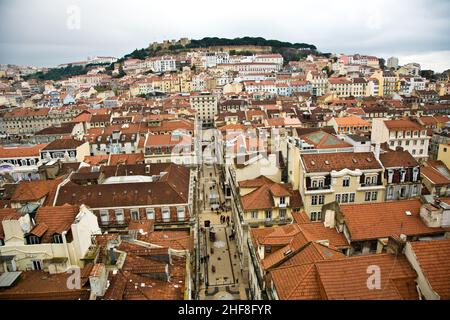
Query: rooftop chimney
{"x": 377, "y": 151}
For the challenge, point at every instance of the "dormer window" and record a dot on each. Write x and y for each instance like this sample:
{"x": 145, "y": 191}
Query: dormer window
{"x": 57, "y": 238}
{"x": 166, "y": 214}
{"x": 150, "y": 213}
{"x": 402, "y": 175}
{"x": 181, "y": 213}
{"x": 33, "y": 240}
{"x": 104, "y": 216}
{"x": 415, "y": 174}
{"x": 119, "y": 215}
{"x": 282, "y": 200}
{"x": 390, "y": 175}
{"x": 135, "y": 214}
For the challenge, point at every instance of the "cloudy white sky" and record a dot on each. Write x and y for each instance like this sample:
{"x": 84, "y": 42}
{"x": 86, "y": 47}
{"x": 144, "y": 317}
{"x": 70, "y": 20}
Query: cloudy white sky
{"x": 45, "y": 33}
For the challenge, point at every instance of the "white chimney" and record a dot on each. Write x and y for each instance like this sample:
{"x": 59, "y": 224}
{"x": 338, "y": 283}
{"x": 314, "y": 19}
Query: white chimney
{"x": 98, "y": 280}
{"x": 377, "y": 151}
{"x": 329, "y": 221}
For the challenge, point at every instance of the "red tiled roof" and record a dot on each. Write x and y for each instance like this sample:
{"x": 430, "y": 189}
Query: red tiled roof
{"x": 402, "y": 124}
{"x": 346, "y": 278}
{"x": 398, "y": 159}
{"x": 40, "y": 285}
{"x": 327, "y": 162}
{"x": 384, "y": 219}
{"x": 433, "y": 258}
{"x": 431, "y": 172}
{"x": 21, "y": 152}
{"x": 34, "y": 190}
{"x": 54, "y": 220}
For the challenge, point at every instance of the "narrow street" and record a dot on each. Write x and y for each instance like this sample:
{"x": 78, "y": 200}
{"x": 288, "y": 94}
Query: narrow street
{"x": 220, "y": 274}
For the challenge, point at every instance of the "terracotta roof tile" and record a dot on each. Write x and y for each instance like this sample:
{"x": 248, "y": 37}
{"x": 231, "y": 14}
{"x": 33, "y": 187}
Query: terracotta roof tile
{"x": 433, "y": 258}
{"x": 326, "y": 162}
{"x": 398, "y": 159}
{"x": 22, "y": 151}
{"x": 384, "y": 219}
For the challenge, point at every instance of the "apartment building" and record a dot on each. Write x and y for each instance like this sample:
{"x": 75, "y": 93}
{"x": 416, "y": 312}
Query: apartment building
{"x": 404, "y": 133}
{"x": 206, "y": 106}
{"x": 21, "y": 162}
{"x": 319, "y": 82}
{"x": 176, "y": 147}
{"x": 165, "y": 198}
{"x": 348, "y": 125}
{"x": 401, "y": 175}
{"x": 342, "y": 177}
{"x": 57, "y": 238}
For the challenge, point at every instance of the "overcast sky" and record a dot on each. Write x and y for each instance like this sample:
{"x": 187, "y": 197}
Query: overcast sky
{"x": 49, "y": 32}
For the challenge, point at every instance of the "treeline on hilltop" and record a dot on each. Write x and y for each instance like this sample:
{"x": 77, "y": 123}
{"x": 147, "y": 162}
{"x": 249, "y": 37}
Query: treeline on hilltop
{"x": 288, "y": 50}
{"x": 56, "y": 74}
{"x": 247, "y": 41}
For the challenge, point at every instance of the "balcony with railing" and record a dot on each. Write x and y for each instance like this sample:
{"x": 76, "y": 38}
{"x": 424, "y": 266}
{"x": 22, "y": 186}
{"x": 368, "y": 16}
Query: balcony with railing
{"x": 268, "y": 222}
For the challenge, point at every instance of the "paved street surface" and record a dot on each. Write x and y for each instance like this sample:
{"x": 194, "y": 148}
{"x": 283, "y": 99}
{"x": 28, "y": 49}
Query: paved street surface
{"x": 225, "y": 282}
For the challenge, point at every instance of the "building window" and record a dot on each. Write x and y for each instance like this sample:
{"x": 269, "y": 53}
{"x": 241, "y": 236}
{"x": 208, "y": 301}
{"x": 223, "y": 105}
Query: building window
{"x": 373, "y": 246}
{"x": 351, "y": 197}
{"x": 314, "y": 200}
{"x": 374, "y": 195}
{"x": 104, "y": 216}
{"x": 314, "y": 216}
{"x": 166, "y": 214}
{"x": 282, "y": 200}
{"x": 37, "y": 264}
{"x": 338, "y": 198}
{"x": 119, "y": 215}
{"x": 344, "y": 198}
{"x": 34, "y": 240}
{"x": 150, "y": 213}
{"x": 414, "y": 190}
{"x": 346, "y": 182}
{"x": 57, "y": 238}
{"x": 282, "y": 214}
{"x": 321, "y": 199}
{"x": 367, "y": 196}
{"x": 135, "y": 214}
{"x": 268, "y": 215}
{"x": 181, "y": 213}
{"x": 390, "y": 192}
{"x": 254, "y": 214}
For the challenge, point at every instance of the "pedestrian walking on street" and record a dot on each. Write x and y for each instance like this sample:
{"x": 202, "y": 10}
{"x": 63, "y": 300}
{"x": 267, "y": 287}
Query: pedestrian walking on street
{"x": 207, "y": 258}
